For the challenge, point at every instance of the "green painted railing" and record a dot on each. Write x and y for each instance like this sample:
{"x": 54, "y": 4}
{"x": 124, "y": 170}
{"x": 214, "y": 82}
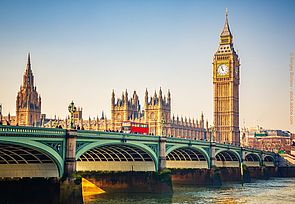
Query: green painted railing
{"x": 44, "y": 132}
{"x": 115, "y": 135}
{"x": 187, "y": 141}
{"x": 31, "y": 131}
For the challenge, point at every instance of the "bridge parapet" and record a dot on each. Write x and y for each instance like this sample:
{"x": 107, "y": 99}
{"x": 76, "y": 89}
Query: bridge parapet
{"x": 31, "y": 131}
{"x": 83, "y": 134}
{"x": 187, "y": 141}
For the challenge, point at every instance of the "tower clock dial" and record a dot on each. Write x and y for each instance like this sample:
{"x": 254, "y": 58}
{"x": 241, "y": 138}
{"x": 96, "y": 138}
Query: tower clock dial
{"x": 222, "y": 70}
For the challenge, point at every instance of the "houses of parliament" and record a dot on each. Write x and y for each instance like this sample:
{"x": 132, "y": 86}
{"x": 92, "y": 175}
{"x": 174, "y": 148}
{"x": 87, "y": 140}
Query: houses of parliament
{"x": 156, "y": 112}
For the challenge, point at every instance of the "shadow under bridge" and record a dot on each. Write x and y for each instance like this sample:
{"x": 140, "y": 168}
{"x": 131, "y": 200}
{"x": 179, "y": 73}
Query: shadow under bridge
{"x": 186, "y": 158}
{"x": 227, "y": 158}
{"x": 116, "y": 157}
{"x": 21, "y": 161}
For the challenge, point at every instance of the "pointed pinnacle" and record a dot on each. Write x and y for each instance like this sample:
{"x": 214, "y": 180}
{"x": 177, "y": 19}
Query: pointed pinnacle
{"x": 29, "y": 61}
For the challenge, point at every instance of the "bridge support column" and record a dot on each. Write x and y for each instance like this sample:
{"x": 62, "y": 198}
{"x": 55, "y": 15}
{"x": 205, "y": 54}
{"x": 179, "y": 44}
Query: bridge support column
{"x": 215, "y": 173}
{"x": 262, "y": 159}
{"x": 70, "y": 159}
{"x": 243, "y": 158}
{"x": 212, "y": 154}
{"x": 243, "y": 154}
{"x": 162, "y": 153}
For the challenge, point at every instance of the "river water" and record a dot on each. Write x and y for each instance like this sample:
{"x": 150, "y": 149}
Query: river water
{"x": 275, "y": 190}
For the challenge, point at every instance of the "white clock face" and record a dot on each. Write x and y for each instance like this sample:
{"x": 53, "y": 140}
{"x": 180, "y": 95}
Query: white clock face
{"x": 222, "y": 70}
{"x": 237, "y": 71}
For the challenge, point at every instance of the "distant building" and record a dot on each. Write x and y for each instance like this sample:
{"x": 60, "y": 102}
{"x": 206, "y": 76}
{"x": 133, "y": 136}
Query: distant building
{"x": 157, "y": 114}
{"x": 28, "y": 101}
{"x": 8, "y": 120}
{"x": 78, "y": 115}
{"x": 226, "y": 81}
{"x": 270, "y": 140}
{"x": 124, "y": 109}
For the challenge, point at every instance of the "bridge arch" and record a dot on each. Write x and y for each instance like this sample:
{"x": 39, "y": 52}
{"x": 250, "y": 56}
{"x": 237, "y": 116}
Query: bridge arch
{"x": 268, "y": 160}
{"x": 201, "y": 150}
{"x": 187, "y": 157}
{"x": 227, "y": 158}
{"x": 29, "y": 159}
{"x": 116, "y": 156}
{"x": 252, "y": 159}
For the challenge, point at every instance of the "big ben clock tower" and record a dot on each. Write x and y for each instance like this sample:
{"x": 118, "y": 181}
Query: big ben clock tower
{"x": 226, "y": 80}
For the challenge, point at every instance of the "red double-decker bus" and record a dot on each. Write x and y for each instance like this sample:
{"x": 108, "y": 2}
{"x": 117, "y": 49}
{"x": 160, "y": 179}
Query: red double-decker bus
{"x": 134, "y": 127}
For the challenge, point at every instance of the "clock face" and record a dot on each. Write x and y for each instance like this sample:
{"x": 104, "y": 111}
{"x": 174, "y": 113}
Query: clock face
{"x": 222, "y": 70}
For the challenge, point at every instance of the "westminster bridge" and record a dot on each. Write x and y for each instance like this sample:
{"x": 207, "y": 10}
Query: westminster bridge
{"x": 52, "y": 152}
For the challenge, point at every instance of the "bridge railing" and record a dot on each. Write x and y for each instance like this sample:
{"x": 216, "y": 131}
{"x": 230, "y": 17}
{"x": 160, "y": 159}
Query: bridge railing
{"x": 101, "y": 134}
{"x": 30, "y": 131}
{"x": 184, "y": 140}
{"x": 44, "y": 132}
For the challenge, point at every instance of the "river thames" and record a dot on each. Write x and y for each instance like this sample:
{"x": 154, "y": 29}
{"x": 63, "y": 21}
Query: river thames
{"x": 274, "y": 190}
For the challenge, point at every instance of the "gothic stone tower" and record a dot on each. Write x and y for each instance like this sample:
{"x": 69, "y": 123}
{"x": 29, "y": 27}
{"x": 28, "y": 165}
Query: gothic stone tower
{"x": 157, "y": 113}
{"x": 124, "y": 109}
{"x": 226, "y": 82}
{"x": 28, "y": 102}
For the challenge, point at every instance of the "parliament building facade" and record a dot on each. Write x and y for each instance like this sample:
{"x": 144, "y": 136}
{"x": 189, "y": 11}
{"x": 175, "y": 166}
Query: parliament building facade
{"x": 156, "y": 114}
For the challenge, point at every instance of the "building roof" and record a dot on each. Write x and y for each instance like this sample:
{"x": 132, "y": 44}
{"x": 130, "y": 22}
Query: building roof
{"x": 226, "y": 30}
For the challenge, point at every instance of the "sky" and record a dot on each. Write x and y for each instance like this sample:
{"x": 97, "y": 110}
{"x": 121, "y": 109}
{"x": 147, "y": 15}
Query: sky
{"x": 82, "y": 50}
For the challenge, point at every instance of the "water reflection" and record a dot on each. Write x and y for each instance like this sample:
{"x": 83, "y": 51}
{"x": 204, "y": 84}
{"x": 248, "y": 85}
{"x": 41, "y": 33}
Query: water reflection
{"x": 126, "y": 198}
{"x": 277, "y": 190}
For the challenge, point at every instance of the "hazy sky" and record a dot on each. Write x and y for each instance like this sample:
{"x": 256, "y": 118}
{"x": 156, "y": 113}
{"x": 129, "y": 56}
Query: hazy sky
{"x": 81, "y": 50}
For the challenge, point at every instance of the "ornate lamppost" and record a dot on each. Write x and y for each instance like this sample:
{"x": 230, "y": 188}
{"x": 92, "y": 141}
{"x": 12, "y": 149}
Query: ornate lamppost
{"x": 72, "y": 109}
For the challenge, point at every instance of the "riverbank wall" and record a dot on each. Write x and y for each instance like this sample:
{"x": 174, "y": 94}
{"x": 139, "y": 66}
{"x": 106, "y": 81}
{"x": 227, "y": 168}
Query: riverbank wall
{"x": 217, "y": 176}
{"x": 205, "y": 177}
{"x": 135, "y": 182}
{"x": 286, "y": 171}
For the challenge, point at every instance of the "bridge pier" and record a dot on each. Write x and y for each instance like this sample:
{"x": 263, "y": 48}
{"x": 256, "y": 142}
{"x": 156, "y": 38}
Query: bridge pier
{"x": 70, "y": 157}
{"x": 215, "y": 173}
{"x": 70, "y": 188}
{"x": 212, "y": 154}
{"x": 243, "y": 154}
{"x": 162, "y": 153}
